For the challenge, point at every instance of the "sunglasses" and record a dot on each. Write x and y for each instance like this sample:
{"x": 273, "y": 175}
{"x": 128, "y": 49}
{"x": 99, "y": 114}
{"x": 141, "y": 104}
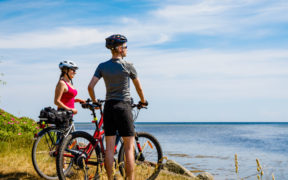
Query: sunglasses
{"x": 74, "y": 70}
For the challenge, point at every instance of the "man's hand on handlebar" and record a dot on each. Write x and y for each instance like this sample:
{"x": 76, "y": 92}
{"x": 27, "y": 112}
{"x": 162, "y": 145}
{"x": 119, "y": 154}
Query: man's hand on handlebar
{"x": 97, "y": 105}
{"x": 142, "y": 105}
{"x": 92, "y": 105}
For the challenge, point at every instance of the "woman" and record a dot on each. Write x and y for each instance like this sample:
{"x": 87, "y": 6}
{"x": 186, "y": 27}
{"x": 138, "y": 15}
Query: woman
{"x": 65, "y": 92}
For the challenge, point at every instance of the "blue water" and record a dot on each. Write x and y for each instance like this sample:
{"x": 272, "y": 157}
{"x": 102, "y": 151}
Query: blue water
{"x": 211, "y": 147}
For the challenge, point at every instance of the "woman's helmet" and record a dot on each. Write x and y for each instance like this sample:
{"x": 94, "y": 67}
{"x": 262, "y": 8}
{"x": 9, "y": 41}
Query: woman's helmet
{"x": 68, "y": 65}
{"x": 115, "y": 40}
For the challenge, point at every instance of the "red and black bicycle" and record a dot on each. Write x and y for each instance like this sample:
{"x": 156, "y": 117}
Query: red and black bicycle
{"x": 86, "y": 152}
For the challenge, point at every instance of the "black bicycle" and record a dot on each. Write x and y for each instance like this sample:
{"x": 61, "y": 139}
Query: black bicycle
{"x": 46, "y": 144}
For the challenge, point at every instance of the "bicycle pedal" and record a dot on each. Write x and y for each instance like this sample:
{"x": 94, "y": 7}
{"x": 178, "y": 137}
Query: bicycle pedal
{"x": 53, "y": 153}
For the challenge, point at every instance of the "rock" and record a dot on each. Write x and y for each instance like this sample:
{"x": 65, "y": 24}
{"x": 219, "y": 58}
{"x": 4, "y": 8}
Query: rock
{"x": 205, "y": 176}
{"x": 177, "y": 168}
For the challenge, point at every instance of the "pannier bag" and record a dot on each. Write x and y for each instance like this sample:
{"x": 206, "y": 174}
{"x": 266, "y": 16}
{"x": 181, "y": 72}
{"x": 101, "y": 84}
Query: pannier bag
{"x": 60, "y": 118}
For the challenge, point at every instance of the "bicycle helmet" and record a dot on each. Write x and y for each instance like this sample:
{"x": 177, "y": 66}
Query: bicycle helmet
{"x": 68, "y": 65}
{"x": 115, "y": 40}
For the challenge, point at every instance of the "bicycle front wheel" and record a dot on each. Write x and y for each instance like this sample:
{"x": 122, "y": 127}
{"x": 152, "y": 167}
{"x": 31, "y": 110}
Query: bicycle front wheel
{"x": 148, "y": 157}
{"x": 78, "y": 149}
{"x": 44, "y": 152}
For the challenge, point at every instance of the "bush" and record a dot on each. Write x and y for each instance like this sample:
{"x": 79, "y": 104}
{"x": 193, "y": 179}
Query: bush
{"x": 13, "y": 128}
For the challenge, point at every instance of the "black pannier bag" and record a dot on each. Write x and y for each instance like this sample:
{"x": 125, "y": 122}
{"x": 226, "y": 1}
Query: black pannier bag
{"x": 61, "y": 118}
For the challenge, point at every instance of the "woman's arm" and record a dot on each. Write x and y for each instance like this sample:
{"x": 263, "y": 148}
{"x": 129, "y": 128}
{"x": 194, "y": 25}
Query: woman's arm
{"x": 80, "y": 100}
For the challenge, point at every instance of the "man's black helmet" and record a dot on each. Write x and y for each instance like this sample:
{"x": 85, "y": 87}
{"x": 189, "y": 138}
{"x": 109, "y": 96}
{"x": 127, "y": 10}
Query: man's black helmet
{"x": 115, "y": 40}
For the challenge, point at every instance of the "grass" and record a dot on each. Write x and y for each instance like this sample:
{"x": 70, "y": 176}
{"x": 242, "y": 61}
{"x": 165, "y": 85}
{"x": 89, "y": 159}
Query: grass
{"x": 15, "y": 162}
{"x": 260, "y": 171}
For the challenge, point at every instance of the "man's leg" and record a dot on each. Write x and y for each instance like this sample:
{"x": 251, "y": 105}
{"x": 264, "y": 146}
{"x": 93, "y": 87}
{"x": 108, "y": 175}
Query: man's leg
{"x": 130, "y": 158}
{"x": 109, "y": 155}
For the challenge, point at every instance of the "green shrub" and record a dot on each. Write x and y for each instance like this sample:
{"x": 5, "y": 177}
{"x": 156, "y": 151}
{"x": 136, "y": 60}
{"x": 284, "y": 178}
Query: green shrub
{"x": 13, "y": 128}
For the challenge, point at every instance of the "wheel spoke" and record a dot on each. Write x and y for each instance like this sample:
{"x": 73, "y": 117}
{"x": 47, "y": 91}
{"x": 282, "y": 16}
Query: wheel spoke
{"x": 147, "y": 158}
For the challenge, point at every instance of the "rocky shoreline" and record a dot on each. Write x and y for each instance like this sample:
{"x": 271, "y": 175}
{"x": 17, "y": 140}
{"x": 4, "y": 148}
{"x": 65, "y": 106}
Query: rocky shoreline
{"x": 177, "y": 168}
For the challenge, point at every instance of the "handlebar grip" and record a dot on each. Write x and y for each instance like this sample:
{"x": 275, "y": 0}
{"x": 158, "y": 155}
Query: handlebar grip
{"x": 145, "y": 104}
{"x": 98, "y": 104}
{"x": 139, "y": 106}
{"x": 84, "y": 105}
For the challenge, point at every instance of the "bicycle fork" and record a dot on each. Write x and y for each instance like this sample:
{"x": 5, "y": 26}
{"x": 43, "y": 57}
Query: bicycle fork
{"x": 139, "y": 156}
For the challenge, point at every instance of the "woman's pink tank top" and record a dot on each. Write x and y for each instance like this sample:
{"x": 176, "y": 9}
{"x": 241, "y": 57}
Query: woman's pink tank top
{"x": 68, "y": 97}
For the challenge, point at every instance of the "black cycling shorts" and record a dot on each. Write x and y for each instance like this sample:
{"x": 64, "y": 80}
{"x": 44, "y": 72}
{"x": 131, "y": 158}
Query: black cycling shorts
{"x": 118, "y": 117}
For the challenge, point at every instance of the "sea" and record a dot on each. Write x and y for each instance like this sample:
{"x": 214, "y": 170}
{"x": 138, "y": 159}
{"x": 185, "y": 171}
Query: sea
{"x": 211, "y": 147}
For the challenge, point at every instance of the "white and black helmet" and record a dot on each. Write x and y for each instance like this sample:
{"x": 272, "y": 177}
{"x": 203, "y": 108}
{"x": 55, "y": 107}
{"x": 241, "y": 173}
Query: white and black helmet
{"x": 68, "y": 65}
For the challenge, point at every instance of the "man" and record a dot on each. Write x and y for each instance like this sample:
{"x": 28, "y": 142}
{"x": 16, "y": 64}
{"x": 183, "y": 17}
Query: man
{"x": 117, "y": 110}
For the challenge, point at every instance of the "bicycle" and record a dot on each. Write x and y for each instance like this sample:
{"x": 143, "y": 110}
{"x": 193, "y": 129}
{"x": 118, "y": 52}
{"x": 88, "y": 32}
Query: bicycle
{"x": 87, "y": 152}
{"x": 45, "y": 148}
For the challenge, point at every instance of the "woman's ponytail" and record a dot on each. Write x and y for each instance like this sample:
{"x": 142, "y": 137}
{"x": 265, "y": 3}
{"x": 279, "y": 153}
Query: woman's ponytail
{"x": 62, "y": 74}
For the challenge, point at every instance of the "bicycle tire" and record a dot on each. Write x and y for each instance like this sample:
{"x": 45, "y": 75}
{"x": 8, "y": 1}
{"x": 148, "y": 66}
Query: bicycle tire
{"x": 43, "y": 152}
{"x": 151, "y": 159}
{"x": 76, "y": 143}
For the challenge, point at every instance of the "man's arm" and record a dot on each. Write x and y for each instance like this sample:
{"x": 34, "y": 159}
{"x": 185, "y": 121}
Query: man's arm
{"x": 91, "y": 86}
{"x": 139, "y": 90}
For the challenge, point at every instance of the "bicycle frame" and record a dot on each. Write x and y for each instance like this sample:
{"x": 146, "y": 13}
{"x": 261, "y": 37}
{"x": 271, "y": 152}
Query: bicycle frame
{"x": 98, "y": 136}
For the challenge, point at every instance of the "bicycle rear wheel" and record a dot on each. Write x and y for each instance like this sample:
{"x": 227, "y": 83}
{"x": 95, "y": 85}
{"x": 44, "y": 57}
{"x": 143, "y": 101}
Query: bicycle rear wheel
{"x": 78, "y": 149}
{"x": 148, "y": 157}
{"x": 44, "y": 152}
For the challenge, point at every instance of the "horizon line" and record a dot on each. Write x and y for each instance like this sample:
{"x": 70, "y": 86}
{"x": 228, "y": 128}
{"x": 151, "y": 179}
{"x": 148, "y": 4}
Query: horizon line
{"x": 205, "y": 122}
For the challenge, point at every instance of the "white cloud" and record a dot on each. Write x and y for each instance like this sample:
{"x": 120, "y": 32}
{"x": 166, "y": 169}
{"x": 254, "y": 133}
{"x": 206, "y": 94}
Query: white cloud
{"x": 219, "y": 17}
{"x": 248, "y": 19}
{"x": 210, "y": 62}
{"x": 59, "y": 38}
{"x": 245, "y": 19}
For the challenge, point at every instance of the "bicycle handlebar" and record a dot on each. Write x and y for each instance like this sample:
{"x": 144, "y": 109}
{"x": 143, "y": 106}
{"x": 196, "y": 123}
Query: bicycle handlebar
{"x": 140, "y": 105}
{"x": 91, "y": 106}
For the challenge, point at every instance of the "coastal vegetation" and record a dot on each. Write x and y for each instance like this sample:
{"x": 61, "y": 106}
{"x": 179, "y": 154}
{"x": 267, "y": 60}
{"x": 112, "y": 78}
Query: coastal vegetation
{"x": 16, "y": 139}
{"x": 15, "y": 131}
{"x": 260, "y": 171}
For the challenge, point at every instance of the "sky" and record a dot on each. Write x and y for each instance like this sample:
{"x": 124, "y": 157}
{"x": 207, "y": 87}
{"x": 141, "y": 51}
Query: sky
{"x": 197, "y": 60}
